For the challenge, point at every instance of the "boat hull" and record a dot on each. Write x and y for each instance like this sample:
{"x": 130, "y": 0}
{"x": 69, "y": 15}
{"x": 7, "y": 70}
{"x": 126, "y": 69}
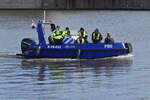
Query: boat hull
{"x": 83, "y": 51}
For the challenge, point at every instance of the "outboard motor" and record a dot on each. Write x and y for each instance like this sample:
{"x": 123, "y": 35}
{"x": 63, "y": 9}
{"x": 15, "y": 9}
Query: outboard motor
{"x": 129, "y": 47}
{"x": 25, "y": 43}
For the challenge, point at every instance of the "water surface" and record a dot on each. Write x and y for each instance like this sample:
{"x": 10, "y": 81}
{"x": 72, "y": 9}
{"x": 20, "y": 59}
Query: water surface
{"x": 119, "y": 78}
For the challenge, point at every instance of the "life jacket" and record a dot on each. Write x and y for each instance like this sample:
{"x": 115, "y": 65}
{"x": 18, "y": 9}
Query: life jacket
{"x": 84, "y": 34}
{"x": 57, "y": 34}
{"x": 80, "y": 41}
{"x": 96, "y": 36}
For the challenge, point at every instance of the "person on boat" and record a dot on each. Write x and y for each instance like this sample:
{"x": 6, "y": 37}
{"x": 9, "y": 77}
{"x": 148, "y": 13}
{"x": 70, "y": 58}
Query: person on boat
{"x": 96, "y": 36}
{"x": 83, "y": 34}
{"x": 57, "y": 36}
{"x": 109, "y": 39}
{"x": 80, "y": 40}
{"x": 66, "y": 32}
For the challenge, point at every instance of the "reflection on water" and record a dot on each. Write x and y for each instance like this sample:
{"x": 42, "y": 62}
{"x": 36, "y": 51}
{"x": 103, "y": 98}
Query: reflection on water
{"x": 60, "y": 79}
{"x": 76, "y": 69}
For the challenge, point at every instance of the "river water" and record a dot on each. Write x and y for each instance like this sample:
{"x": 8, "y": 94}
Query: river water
{"x": 118, "y": 78}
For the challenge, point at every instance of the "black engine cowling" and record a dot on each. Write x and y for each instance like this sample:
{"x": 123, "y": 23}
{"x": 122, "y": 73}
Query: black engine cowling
{"x": 129, "y": 47}
{"x": 25, "y": 43}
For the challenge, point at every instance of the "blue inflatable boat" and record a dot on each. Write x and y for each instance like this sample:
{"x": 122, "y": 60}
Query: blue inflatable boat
{"x": 30, "y": 49}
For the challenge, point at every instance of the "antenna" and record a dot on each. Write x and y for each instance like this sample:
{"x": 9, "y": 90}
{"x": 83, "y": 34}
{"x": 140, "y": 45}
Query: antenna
{"x": 45, "y": 20}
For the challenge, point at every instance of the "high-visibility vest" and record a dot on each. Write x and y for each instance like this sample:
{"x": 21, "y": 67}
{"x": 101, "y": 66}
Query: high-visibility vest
{"x": 57, "y": 34}
{"x": 96, "y": 37}
{"x": 84, "y": 35}
{"x": 80, "y": 41}
{"x": 64, "y": 33}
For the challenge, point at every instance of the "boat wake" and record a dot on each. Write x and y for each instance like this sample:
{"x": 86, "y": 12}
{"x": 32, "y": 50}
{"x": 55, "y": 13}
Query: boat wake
{"x": 123, "y": 56}
{"x": 129, "y": 56}
{"x": 7, "y": 54}
{"x": 13, "y": 55}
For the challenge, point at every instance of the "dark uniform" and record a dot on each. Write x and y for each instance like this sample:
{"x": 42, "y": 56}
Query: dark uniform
{"x": 109, "y": 39}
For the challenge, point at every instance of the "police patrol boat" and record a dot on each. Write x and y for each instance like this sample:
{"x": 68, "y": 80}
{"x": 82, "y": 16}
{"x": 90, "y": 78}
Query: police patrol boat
{"x": 31, "y": 49}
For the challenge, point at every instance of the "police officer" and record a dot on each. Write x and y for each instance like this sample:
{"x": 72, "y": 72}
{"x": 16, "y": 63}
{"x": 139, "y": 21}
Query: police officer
{"x": 109, "y": 39}
{"x": 57, "y": 36}
{"x": 66, "y": 32}
{"x": 83, "y": 34}
{"x": 96, "y": 36}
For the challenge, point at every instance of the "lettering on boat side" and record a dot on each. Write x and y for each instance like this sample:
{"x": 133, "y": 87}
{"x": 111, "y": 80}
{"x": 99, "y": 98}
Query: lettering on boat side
{"x": 54, "y": 47}
{"x": 108, "y": 46}
{"x": 69, "y": 46}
